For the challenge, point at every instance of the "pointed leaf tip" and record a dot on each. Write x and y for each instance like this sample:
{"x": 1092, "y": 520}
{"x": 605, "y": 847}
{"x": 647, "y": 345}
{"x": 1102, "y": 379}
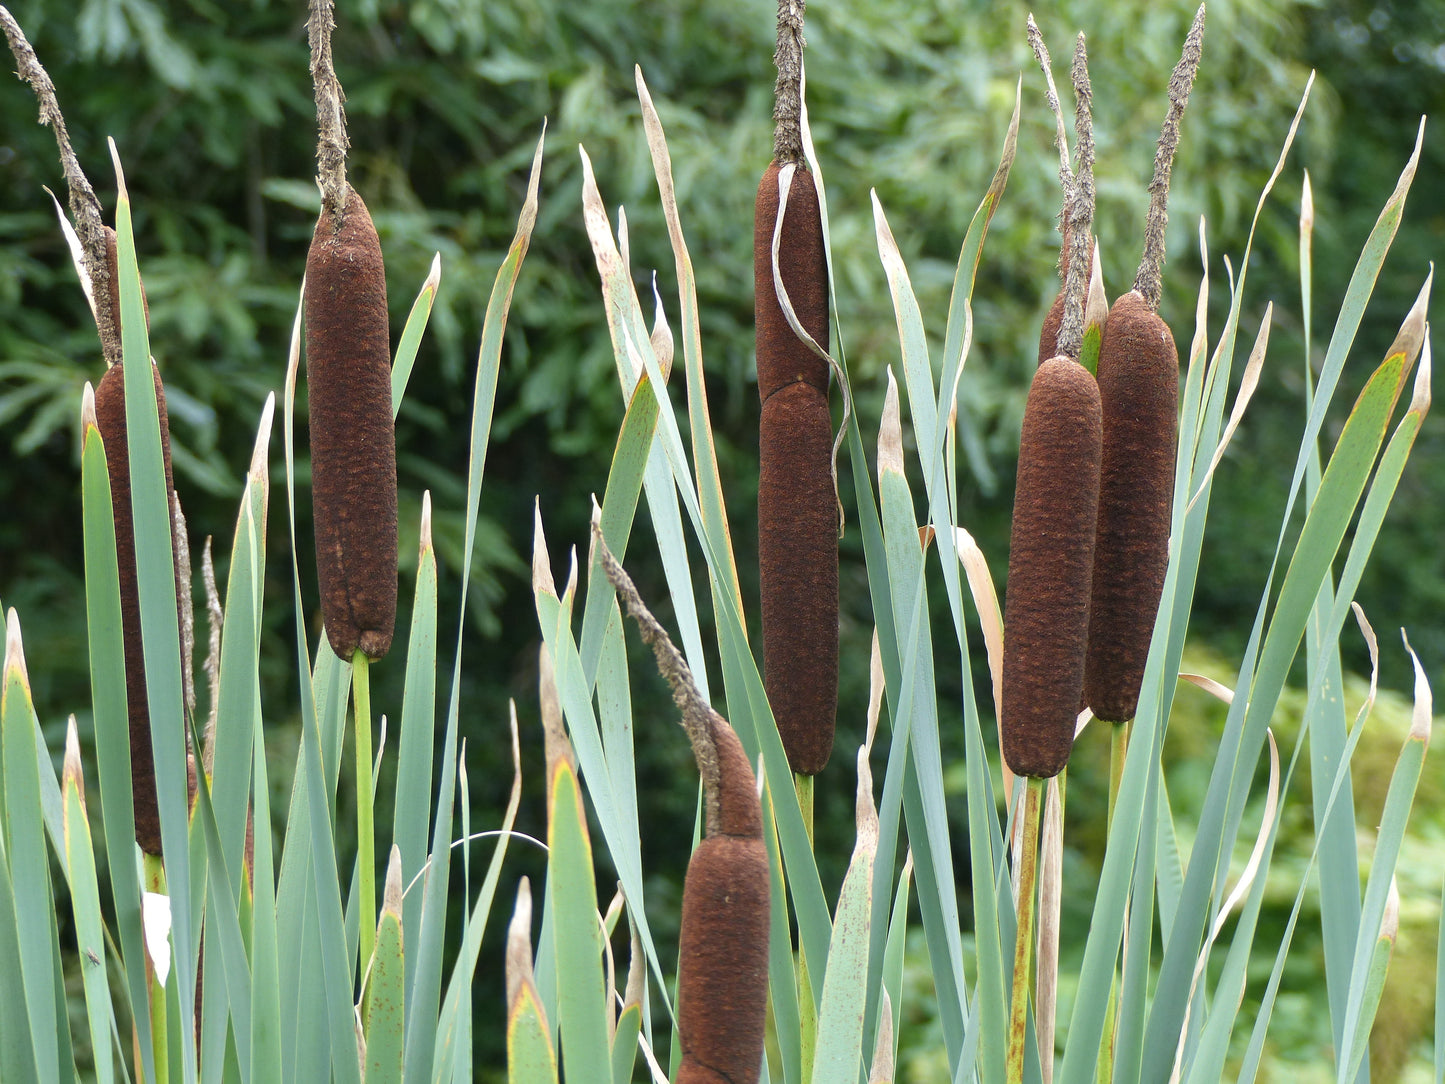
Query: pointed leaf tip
{"x": 1390, "y": 920}
{"x": 541, "y": 563}
{"x": 72, "y": 772}
{"x": 259, "y": 455}
{"x": 15, "y": 649}
{"x": 1411, "y": 336}
{"x": 1097, "y": 307}
{"x": 1420, "y": 397}
{"x": 121, "y": 194}
{"x": 1423, "y": 713}
{"x": 87, "y": 409}
{"x": 391, "y": 896}
{"x": 434, "y": 276}
{"x": 425, "y": 531}
{"x": 890, "y": 432}
{"x": 519, "y": 945}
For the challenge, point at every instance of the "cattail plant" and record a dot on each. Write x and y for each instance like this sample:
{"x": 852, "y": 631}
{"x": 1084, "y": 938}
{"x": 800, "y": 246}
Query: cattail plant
{"x": 353, "y": 441}
{"x": 1139, "y": 391}
{"x": 1051, "y": 544}
{"x": 722, "y": 979}
{"x": 348, "y": 370}
{"x": 797, "y": 508}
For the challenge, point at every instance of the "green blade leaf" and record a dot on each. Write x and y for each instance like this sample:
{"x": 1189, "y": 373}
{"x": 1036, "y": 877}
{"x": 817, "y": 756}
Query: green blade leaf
{"x": 85, "y": 905}
{"x": 29, "y": 865}
{"x": 112, "y": 725}
{"x": 582, "y": 997}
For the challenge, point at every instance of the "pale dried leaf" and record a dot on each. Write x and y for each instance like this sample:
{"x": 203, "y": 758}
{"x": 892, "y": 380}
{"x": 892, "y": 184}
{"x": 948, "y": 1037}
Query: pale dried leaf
{"x": 1247, "y": 385}
{"x": 890, "y": 431}
{"x": 1213, "y": 688}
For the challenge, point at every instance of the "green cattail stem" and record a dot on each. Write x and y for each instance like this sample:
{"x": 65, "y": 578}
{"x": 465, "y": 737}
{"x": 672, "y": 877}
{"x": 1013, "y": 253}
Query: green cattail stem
{"x": 154, "y": 872}
{"x": 1024, "y": 943}
{"x": 1118, "y": 750}
{"x": 365, "y": 843}
{"x": 803, "y": 784}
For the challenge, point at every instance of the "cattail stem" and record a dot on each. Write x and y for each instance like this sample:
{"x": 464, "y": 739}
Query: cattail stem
{"x": 1024, "y": 942}
{"x": 1118, "y": 750}
{"x": 365, "y": 843}
{"x": 154, "y": 872}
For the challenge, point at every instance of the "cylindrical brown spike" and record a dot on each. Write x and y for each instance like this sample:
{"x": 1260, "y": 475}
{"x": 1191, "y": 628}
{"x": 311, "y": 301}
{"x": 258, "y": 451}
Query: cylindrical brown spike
{"x": 722, "y": 971}
{"x": 783, "y": 358}
{"x": 1139, "y": 392}
{"x": 353, "y": 442}
{"x": 110, "y": 420}
{"x": 1051, "y": 557}
{"x": 798, "y": 572}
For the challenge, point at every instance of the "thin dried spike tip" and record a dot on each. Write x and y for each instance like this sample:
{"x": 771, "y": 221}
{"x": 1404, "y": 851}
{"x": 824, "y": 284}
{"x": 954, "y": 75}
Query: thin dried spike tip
{"x": 1079, "y": 211}
{"x": 782, "y": 357}
{"x": 84, "y": 206}
{"x": 1151, "y": 267}
{"x": 788, "y": 90}
{"x": 1051, "y": 557}
{"x": 353, "y": 443}
{"x": 1139, "y": 395}
{"x": 331, "y": 141}
{"x": 111, "y": 421}
{"x": 697, "y": 713}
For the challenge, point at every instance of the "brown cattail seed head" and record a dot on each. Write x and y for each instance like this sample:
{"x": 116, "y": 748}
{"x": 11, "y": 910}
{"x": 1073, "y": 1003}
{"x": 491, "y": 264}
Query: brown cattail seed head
{"x": 783, "y": 357}
{"x": 722, "y": 971}
{"x": 1051, "y": 557}
{"x": 353, "y": 443}
{"x": 798, "y": 572}
{"x": 1139, "y": 393}
{"x": 797, "y": 510}
{"x": 110, "y": 420}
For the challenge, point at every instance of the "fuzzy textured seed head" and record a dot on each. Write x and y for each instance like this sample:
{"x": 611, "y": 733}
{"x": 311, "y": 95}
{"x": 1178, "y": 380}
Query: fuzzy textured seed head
{"x": 722, "y": 968}
{"x": 110, "y": 420}
{"x": 798, "y": 572}
{"x": 783, "y": 358}
{"x": 740, "y": 813}
{"x": 1139, "y": 393}
{"x": 353, "y": 442}
{"x": 1051, "y": 556}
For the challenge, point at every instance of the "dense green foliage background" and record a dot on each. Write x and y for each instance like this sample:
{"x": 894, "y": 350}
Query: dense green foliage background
{"x": 210, "y": 106}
